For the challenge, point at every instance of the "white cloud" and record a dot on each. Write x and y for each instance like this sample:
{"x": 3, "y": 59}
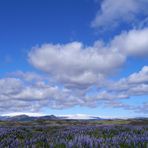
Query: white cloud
{"x": 75, "y": 65}
{"x": 134, "y": 84}
{"x": 114, "y": 12}
{"x": 139, "y": 77}
{"x": 18, "y": 95}
{"x": 28, "y": 76}
{"x": 21, "y": 96}
{"x": 10, "y": 86}
{"x": 78, "y": 68}
{"x": 142, "y": 108}
{"x": 71, "y": 70}
{"x": 132, "y": 43}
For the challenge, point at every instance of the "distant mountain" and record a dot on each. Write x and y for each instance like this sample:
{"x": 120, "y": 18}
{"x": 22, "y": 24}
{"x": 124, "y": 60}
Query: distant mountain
{"x": 49, "y": 117}
{"x": 2, "y": 118}
{"x": 24, "y": 118}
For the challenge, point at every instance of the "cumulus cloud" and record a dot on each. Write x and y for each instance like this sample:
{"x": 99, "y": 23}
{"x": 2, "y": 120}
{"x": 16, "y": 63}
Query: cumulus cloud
{"x": 75, "y": 69}
{"x": 27, "y": 76}
{"x": 139, "y": 77}
{"x": 134, "y": 84}
{"x": 78, "y": 66}
{"x": 132, "y": 43}
{"x": 19, "y": 95}
{"x": 115, "y": 12}
{"x": 142, "y": 108}
{"x": 69, "y": 71}
{"x": 75, "y": 65}
{"x": 10, "y": 86}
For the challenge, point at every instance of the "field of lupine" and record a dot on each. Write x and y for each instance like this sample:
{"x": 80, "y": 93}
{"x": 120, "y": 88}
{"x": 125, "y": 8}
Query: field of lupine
{"x": 74, "y": 136}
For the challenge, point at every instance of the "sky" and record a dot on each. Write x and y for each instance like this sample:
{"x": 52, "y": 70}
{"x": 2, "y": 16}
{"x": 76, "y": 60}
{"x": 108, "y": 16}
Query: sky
{"x": 74, "y": 57}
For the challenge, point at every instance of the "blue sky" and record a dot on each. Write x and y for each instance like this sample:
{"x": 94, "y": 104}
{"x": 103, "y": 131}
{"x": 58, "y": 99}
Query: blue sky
{"x": 74, "y": 57}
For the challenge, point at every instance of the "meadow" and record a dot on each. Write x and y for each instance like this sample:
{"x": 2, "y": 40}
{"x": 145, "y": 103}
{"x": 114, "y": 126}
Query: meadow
{"x": 74, "y": 134}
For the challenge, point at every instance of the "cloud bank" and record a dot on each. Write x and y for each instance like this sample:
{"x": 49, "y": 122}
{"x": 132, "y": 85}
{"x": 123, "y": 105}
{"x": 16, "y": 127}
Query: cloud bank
{"x": 72, "y": 69}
